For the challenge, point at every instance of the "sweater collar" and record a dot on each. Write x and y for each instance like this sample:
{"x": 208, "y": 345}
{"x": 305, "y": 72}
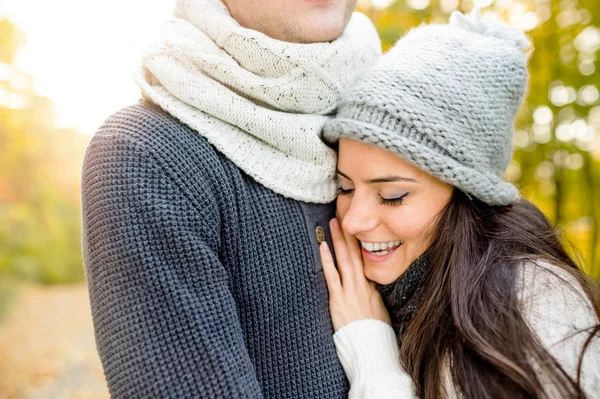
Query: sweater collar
{"x": 403, "y": 297}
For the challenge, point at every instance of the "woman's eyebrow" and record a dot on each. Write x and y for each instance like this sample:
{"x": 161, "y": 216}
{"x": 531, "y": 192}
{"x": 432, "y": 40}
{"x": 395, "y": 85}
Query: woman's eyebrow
{"x": 385, "y": 179}
{"x": 342, "y": 174}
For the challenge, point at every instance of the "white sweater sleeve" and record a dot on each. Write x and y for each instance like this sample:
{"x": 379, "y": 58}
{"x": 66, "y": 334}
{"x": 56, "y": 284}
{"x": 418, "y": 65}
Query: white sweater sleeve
{"x": 368, "y": 351}
{"x": 558, "y": 311}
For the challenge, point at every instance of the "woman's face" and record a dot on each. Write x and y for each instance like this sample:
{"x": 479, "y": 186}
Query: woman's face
{"x": 388, "y": 205}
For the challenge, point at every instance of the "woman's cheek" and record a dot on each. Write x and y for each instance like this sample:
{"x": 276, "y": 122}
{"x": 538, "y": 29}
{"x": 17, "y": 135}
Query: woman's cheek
{"x": 420, "y": 233}
{"x": 341, "y": 207}
{"x": 408, "y": 223}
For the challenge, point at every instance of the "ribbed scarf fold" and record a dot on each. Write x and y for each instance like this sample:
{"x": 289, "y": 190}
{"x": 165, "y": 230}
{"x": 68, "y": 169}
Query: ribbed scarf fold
{"x": 260, "y": 101}
{"x": 403, "y": 297}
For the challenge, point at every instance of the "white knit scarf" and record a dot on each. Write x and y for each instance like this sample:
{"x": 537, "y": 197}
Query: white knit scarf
{"x": 260, "y": 101}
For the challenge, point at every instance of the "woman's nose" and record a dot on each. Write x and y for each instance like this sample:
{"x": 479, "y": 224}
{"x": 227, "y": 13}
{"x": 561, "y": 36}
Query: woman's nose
{"x": 360, "y": 217}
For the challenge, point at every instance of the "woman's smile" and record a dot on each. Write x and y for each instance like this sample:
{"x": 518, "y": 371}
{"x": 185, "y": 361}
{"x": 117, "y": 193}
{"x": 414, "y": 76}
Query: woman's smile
{"x": 389, "y": 205}
{"x": 378, "y": 252}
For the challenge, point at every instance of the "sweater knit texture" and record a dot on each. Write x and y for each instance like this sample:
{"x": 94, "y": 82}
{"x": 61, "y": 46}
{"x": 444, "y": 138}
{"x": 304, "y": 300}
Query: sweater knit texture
{"x": 444, "y": 98}
{"x": 553, "y": 304}
{"x": 403, "y": 296}
{"x": 203, "y": 283}
{"x": 262, "y": 102}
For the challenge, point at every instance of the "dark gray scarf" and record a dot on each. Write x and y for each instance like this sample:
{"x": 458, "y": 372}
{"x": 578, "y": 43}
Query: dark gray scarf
{"x": 403, "y": 296}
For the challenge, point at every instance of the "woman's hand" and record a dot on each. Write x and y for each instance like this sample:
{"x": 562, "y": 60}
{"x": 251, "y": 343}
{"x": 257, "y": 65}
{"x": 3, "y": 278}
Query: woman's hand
{"x": 351, "y": 295}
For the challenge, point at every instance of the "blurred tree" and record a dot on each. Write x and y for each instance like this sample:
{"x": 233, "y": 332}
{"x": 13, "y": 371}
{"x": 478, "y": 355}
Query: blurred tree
{"x": 557, "y": 140}
{"x": 39, "y": 178}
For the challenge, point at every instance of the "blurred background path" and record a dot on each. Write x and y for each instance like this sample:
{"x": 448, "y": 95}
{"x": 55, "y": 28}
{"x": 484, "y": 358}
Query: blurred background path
{"x": 47, "y": 347}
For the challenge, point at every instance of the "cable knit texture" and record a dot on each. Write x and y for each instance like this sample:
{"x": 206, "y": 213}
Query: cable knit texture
{"x": 553, "y": 304}
{"x": 445, "y": 98}
{"x": 203, "y": 283}
{"x": 261, "y": 102}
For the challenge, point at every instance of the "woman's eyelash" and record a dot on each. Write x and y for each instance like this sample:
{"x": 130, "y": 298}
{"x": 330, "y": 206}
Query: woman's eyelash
{"x": 392, "y": 201}
{"x": 383, "y": 201}
{"x": 341, "y": 191}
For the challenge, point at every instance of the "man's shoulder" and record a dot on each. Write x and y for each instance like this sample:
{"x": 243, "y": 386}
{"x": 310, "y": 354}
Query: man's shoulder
{"x": 148, "y": 126}
{"x": 144, "y": 128}
{"x": 144, "y": 140}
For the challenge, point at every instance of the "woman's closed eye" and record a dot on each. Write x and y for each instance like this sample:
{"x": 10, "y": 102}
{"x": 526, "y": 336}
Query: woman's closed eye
{"x": 392, "y": 201}
{"x": 344, "y": 191}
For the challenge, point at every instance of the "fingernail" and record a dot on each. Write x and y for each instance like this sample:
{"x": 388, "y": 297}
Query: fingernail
{"x": 323, "y": 247}
{"x": 334, "y": 223}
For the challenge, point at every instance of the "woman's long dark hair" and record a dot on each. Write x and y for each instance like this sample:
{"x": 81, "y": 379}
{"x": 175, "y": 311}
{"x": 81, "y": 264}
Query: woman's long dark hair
{"x": 469, "y": 323}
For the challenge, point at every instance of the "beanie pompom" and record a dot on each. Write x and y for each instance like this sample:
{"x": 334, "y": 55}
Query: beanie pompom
{"x": 473, "y": 22}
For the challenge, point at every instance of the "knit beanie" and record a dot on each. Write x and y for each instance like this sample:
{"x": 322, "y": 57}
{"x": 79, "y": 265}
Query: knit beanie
{"x": 444, "y": 98}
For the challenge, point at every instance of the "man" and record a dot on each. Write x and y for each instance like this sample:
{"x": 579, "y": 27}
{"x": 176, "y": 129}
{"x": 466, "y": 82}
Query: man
{"x": 203, "y": 206}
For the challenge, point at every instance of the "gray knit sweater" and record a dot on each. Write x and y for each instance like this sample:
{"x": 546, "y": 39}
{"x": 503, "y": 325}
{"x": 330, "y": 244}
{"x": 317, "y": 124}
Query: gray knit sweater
{"x": 203, "y": 283}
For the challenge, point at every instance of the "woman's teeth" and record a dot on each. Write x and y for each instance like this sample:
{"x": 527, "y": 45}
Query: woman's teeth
{"x": 380, "y": 248}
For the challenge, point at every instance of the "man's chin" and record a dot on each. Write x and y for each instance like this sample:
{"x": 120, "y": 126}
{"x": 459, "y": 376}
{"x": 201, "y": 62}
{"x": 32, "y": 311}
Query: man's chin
{"x": 319, "y": 28}
{"x": 317, "y": 35}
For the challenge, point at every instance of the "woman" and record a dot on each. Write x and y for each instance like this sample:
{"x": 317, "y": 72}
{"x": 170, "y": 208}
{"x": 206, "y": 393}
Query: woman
{"x": 483, "y": 298}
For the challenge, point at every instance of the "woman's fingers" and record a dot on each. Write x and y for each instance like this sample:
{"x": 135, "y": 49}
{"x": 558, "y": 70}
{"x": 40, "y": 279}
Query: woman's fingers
{"x": 351, "y": 296}
{"x": 341, "y": 252}
{"x": 332, "y": 278}
{"x": 355, "y": 254}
